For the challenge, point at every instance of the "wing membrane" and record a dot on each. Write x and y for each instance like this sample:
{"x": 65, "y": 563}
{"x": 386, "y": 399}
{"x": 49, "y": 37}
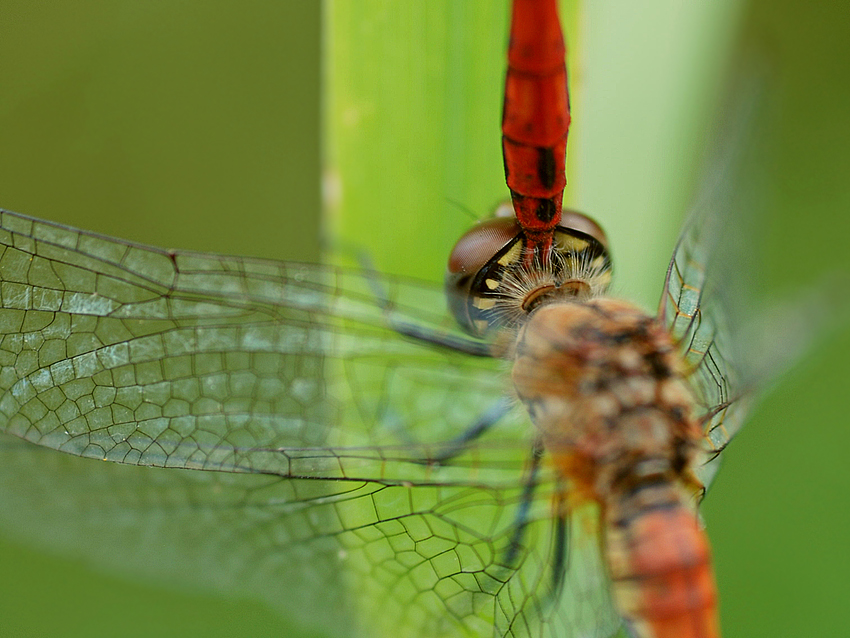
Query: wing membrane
{"x": 137, "y": 355}
{"x": 349, "y": 558}
{"x": 694, "y": 310}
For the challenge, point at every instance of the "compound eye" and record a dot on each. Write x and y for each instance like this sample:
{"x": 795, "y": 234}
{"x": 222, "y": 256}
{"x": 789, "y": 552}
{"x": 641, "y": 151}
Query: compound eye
{"x": 474, "y": 250}
{"x": 573, "y": 220}
{"x": 480, "y": 243}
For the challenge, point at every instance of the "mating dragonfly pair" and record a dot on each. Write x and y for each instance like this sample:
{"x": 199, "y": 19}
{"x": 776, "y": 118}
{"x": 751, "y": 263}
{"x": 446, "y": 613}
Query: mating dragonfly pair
{"x": 299, "y": 389}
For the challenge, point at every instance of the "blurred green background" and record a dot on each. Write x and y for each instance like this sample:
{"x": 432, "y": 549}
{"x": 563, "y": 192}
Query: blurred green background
{"x": 196, "y": 125}
{"x": 179, "y": 124}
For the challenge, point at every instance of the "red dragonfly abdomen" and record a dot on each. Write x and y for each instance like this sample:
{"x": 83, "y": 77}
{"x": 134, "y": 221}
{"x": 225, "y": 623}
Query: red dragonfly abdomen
{"x": 660, "y": 565}
{"x": 535, "y": 120}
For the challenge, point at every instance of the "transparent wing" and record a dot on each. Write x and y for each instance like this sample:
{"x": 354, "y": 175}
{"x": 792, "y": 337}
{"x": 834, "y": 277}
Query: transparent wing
{"x": 339, "y": 557}
{"x": 136, "y": 355}
{"x": 707, "y": 303}
{"x": 313, "y": 419}
{"x": 579, "y": 605}
{"x": 693, "y": 309}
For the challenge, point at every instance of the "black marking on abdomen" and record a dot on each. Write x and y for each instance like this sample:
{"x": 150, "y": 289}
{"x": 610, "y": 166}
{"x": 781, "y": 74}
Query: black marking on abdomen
{"x": 546, "y": 167}
{"x": 545, "y": 210}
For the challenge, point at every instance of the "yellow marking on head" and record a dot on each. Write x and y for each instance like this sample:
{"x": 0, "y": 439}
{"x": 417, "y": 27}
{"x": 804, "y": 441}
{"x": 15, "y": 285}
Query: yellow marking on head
{"x": 565, "y": 242}
{"x": 512, "y": 256}
{"x": 484, "y": 304}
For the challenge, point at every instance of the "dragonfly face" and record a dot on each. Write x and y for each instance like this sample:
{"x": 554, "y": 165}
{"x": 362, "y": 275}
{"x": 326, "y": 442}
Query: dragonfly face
{"x": 489, "y": 286}
{"x": 595, "y": 208}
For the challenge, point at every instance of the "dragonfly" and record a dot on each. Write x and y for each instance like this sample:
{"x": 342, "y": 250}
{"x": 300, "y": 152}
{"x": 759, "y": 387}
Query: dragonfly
{"x": 393, "y": 420}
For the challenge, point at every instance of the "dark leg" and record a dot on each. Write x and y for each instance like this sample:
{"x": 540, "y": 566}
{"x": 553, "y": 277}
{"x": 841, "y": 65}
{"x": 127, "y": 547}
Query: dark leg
{"x": 521, "y": 519}
{"x": 484, "y": 422}
{"x": 561, "y": 562}
{"x": 434, "y": 337}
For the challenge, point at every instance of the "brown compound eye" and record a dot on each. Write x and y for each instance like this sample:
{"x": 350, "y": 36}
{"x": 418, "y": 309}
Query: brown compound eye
{"x": 472, "y": 252}
{"x": 480, "y": 243}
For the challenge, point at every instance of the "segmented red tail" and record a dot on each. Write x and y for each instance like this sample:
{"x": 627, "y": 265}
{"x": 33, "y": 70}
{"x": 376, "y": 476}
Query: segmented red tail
{"x": 660, "y": 564}
{"x": 535, "y": 121}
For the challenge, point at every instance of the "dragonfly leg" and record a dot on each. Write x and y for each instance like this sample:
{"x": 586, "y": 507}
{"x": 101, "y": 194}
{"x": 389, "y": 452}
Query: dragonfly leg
{"x": 482, "y": 424}
{"x": 521, "y": 518}
{"x": 438, "y": 338}
{"x": 434, "y": 337}
{"x": 560, "y": 564}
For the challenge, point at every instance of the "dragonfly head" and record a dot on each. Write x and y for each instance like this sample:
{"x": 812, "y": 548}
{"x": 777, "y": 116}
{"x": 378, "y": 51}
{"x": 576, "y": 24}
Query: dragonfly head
{"x": 489, "y": 287}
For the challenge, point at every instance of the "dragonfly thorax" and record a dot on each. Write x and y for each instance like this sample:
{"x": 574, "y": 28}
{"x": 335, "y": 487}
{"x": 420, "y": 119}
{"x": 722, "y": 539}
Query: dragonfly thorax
{"x": 607, "y": 392}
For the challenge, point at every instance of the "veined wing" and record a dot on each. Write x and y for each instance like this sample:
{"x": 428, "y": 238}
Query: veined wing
{"x": 137, "y": 355}
{"x": 695, "y": 310}
{"x": 704, "y": 288}
{"x": 344, "y": 558}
